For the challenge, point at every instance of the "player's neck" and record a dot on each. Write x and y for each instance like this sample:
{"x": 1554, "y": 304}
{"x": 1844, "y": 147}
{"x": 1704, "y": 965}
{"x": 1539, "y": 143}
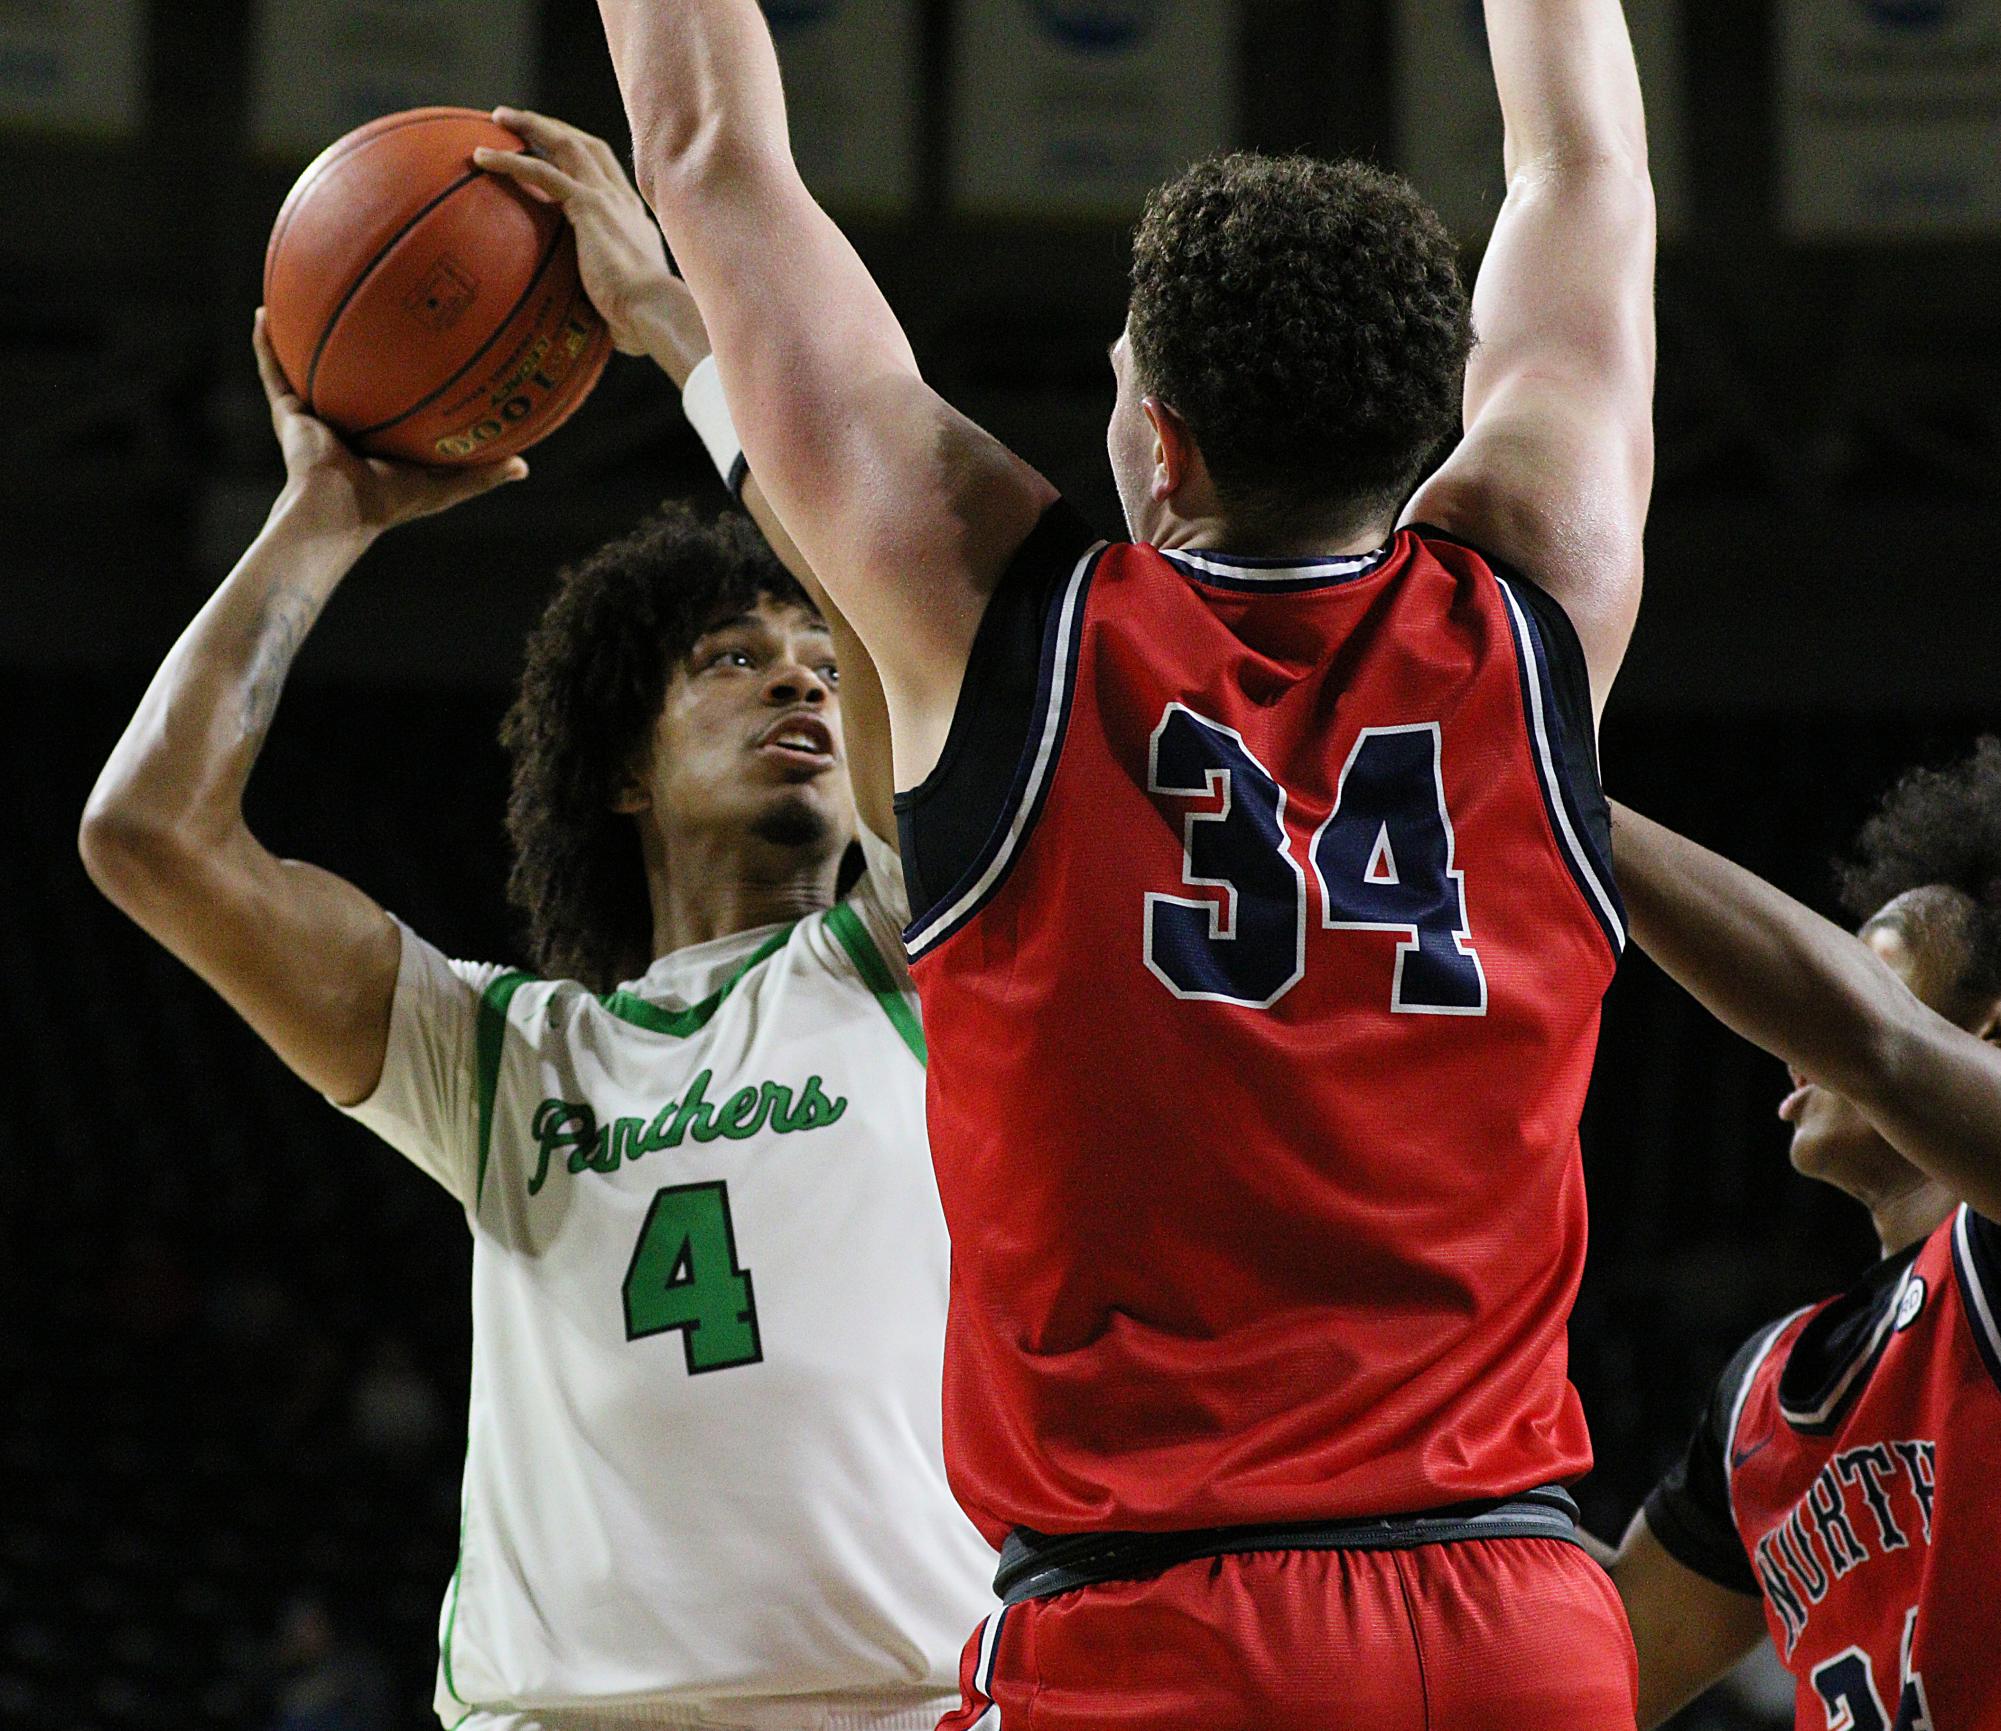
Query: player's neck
{"x": 1217, "y": 534}
{"x": 717, "y": 886}
{"x": 1904, "y": 1217}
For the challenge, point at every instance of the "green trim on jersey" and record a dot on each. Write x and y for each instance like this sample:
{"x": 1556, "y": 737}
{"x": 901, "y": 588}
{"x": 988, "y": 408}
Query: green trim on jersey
{"x": 458, "y": 1569}
{"x": 452, "y": 1615}
{"x": 491, "y": 1031}
{"x": 846, "y": 925}
{"x": 628, "y": 1007}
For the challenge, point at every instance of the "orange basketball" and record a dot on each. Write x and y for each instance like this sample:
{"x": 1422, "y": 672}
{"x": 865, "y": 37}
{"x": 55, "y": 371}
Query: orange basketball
{"x": 425, "y": 310}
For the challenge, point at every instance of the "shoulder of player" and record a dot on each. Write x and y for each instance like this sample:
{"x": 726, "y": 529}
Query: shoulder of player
{"x": 1691, "y": 1511}
{"x": 835, "y": 946}
{"x": 1769, "y": 1345}
{"x": 1975, "y": 1243}
{"x": 1833, "y": 1353}
{"x": 869, "y": 961}
{"x": 1465, "y": 557}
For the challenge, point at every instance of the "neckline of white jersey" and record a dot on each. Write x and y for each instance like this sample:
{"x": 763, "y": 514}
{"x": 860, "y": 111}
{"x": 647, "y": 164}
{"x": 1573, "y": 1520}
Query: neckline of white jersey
{"x": 1244, "y": 570}
{"x": 691, "y": 973}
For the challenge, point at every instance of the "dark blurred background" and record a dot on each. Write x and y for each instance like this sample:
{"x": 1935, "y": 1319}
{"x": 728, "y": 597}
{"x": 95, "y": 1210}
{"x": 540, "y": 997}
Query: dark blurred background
{"x": 234, "y": 1360}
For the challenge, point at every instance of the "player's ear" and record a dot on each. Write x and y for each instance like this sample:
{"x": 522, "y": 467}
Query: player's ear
{"x": 1176, "y": 457}
{"x": 633, "y": 792}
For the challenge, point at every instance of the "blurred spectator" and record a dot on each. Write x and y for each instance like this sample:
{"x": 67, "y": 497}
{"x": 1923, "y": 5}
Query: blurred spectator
{"x": 306, "y": 1388}
{"x": 395, "y": 1414}
{"x": 329, "y": 1680}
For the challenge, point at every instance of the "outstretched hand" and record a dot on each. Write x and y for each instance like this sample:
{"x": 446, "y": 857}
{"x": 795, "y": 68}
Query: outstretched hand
{"x": 364, "y": 495}
{"x": 620, "y": 253}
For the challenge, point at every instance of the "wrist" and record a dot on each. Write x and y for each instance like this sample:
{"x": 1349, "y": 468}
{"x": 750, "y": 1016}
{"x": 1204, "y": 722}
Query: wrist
{"x": 322, "y": 509}
{"x": 709, "y": 414}
{"x": 658, "y": 336}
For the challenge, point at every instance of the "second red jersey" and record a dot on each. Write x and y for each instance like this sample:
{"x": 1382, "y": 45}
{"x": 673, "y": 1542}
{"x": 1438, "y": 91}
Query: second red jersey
{"x": 1259, "y": 1031}
{"x": 1845, "y": 1473}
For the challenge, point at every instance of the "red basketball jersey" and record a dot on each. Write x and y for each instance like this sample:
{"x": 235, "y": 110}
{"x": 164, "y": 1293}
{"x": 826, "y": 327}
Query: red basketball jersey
{"x": 1858, "y": 1445}
{"x": 1259, "y": 1034}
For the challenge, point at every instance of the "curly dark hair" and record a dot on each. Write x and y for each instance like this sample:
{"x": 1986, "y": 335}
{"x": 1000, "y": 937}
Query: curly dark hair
{"x": 1307, "y": 319}
{"x": 1939, "y": 827}
{"x": 597, "y": 669}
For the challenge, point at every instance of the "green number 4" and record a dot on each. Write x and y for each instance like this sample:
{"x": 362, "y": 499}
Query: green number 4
{"x": 685, "y": 1276}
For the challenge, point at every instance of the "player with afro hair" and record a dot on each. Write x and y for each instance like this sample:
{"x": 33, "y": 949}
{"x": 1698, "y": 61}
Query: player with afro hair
{"x": 1896, "y": 1101}
{"x": 597, "y": 669}
{"x": 1936, "y": 844}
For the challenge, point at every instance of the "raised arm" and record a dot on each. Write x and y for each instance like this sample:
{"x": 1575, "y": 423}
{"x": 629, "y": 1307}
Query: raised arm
{"x": 307, "y": 959}
{"x": 652, "y": 313}
{"x": 907, "y": 512}
{"x": 1556, "y": 467}
{"x": 1808, "y": 992}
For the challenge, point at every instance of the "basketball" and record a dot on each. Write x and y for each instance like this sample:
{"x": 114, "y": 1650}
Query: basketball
{"x": 425, "y": 310}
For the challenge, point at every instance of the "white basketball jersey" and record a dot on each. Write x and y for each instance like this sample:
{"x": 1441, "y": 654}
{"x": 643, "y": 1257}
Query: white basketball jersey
{"x": 709, "y": 1285}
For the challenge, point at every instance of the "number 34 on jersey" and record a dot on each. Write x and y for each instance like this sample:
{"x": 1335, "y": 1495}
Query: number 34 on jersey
{"x": 1381, "y": 862}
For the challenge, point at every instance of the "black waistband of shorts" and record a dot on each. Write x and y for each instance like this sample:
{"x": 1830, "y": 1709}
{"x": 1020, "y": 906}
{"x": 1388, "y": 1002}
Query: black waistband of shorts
{"x": 1037, "y": 1565}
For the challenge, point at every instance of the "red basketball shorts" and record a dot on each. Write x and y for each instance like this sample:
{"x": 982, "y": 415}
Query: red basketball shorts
{"x": 1515, "y": 1634}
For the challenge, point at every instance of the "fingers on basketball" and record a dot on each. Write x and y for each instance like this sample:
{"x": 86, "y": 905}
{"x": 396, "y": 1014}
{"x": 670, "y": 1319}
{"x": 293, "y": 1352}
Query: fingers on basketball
{"x": 535, "y": 175}
{"x": 269, "y": 373}
{"x": 404, "y": 288}
{"x": 578, "y": 153}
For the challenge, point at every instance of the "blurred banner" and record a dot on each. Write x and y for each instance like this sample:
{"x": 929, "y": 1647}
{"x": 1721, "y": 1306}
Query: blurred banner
{"x": 1080, "y": 107}
{"x": 325, "y": 66}
{"x": 71, "y": 65}
{"x": 1892, "y": 117}
{"x": 851, "y": 83}
{"x": 1449, "y": 119}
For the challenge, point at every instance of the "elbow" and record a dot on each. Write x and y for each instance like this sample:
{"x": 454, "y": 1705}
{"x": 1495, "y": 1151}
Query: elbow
{"x": 1876, "y": 1044}
{"x": 1893, "y": 1054}
{"x": 682, "y": 158}
{"x": 661, "y": 154}
{"x": 127, "y": 854}
{"x": 1607, "y": 175}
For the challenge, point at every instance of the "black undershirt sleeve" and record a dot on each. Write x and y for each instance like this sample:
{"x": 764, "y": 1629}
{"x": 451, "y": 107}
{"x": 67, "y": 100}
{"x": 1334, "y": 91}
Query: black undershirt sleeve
{"x": 944, "y": 822}
{"x": 1689, "y": 1510}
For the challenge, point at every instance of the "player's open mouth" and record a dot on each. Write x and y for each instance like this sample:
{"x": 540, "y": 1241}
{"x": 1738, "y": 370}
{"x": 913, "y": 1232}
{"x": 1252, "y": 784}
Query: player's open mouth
{"x": 804, "y": 741}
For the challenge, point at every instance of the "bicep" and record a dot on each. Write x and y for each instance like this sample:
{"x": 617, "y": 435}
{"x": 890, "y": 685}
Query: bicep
{"x": 906, "y": 510}
{"x": 1556, "y": 467}
{"x": 308, "y": 960}
{"x": 1687, "y": 1630}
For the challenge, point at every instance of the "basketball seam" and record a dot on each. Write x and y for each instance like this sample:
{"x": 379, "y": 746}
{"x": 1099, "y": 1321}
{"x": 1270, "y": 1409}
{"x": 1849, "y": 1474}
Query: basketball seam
{"x": 324, "y": 162}
{"x": 367, "y": 271}
{"x": 472, "y": 360}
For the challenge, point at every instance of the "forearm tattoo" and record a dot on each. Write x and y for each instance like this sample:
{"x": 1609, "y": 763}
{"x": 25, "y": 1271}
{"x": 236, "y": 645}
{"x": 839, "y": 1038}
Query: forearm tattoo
{"x": 279, "y": 630}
